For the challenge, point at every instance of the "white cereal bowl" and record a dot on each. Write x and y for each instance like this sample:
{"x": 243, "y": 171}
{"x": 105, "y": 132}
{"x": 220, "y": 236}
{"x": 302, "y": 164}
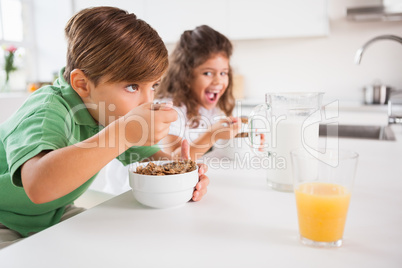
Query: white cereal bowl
{"x": 162, "y": 191}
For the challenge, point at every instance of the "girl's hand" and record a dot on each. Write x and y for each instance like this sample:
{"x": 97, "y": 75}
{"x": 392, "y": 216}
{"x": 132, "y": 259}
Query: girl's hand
{"x": 262, "y": 141}
{"x": 201, "y": 187}
{"x": 226, "y": 128}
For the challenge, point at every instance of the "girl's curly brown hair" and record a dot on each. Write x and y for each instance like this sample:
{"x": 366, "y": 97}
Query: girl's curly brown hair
{"x": 193, "y": 49}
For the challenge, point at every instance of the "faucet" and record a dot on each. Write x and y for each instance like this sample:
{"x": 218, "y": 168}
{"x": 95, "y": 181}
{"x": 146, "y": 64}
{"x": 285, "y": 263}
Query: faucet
{"x": 395, "y": 109}
{"x": 395, "y": 102}
{"x": 360, "y": 51}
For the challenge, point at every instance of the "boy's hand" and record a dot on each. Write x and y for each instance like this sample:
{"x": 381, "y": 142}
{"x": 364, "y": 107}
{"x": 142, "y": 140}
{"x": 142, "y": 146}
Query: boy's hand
{"x": 226, "y": 128}
{"x": 147, "y": 124}
{"x": 201, "y": 187}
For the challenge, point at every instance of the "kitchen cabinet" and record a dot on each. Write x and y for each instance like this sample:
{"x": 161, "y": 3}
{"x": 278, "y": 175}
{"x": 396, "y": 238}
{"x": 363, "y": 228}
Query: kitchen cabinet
{"x": 237, "y": 19}
{"x": 172, "y": 18}
{"x": 255, "y": 19}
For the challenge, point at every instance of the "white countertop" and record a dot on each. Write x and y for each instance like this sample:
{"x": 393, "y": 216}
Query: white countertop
{"x": 239, "y": 223}
{"x": 349, "y": 112}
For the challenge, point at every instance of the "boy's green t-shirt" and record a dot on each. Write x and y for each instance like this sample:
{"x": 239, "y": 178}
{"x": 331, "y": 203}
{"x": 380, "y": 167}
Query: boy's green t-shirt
{"x": 53, "y": 117}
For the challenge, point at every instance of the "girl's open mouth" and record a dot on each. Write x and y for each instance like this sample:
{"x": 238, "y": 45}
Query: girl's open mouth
{"x": 211, "y": 96}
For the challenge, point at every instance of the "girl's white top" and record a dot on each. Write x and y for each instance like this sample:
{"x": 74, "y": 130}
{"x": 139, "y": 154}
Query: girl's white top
{"x": 182, "y": 128}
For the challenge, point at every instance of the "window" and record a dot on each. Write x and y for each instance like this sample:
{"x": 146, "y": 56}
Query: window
{"x": 11, "y": 21}
{"x": 14, "y": 31}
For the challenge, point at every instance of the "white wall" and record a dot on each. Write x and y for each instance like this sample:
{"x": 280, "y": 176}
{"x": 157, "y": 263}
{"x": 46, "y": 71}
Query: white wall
{"x": 50, "y": 19}
{"x": 305, "y": 64}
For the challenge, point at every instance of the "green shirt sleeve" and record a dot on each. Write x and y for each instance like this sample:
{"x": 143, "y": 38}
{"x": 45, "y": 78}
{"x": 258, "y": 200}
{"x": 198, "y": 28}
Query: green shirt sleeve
{"x": 136, "y": 154}
{"x": 39, "y": 130}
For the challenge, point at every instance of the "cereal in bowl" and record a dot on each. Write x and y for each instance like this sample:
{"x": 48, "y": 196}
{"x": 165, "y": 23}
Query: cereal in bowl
{"x": 170, "y": 168}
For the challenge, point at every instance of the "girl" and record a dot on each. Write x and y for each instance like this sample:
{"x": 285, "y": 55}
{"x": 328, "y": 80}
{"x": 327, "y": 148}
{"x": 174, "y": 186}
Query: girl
{"x": 199, "y": 81}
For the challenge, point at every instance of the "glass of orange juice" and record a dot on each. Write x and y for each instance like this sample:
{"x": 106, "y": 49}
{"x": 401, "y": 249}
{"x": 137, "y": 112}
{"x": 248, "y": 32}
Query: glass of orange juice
{"x": 322, "y": 182}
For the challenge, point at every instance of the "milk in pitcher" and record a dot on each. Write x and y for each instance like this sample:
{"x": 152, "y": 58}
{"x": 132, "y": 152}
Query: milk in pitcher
{"x": 285, "y": 137}
{"x": 293, "y": 122}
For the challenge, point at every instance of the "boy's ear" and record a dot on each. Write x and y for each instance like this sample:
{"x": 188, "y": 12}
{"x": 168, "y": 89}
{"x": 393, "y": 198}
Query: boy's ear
{"x": 80, "y": 83}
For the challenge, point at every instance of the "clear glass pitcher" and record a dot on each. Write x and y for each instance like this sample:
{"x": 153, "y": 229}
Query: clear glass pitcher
{"x": 290, "y": 121}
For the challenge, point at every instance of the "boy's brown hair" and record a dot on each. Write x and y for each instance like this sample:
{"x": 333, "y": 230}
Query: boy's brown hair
{"x": 107, "y": 41}
{"x": 193, "y": 49}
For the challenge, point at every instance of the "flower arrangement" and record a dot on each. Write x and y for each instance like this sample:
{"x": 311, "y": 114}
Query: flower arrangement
{"x": 9, "y": 53}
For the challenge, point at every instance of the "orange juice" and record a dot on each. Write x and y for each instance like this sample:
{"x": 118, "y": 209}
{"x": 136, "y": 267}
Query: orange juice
{"x": 322, "y": 209}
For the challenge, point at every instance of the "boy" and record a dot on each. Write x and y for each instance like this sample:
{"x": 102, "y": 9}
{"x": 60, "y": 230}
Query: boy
{"x": 99, "y": 108}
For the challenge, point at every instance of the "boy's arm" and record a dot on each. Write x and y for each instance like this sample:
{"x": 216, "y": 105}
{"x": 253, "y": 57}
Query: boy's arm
{"x": 53, "y": 174}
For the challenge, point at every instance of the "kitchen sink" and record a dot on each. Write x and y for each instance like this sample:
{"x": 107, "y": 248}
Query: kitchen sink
{"x": 358, "y": 132}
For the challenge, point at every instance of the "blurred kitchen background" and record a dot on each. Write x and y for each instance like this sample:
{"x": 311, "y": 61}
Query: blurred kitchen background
{"x": 279, "y": 45}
